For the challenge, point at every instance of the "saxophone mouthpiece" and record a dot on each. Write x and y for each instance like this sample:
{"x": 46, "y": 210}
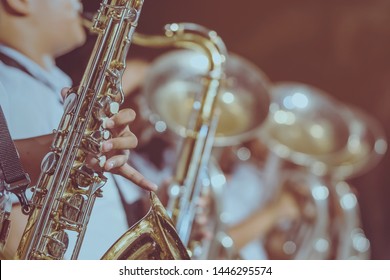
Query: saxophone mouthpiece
{"x": 87, "y": 19}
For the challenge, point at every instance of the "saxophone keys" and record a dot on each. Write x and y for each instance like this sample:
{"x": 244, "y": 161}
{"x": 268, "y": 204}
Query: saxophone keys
{"x": 70, "y": 102}
{"x": 106, "y": 134}
{"x": 114, "y": 108}
{"x": 106, "y": 108}
{"x": 103, "y": 134}
{"x": 49, "y": 163}
{"x": 57, "y": 244}
{"x": 93, "y": 143}
{"x": 102, "y": 160}
{"x": 72, "y": 208}
{"x": 83, "y": 176}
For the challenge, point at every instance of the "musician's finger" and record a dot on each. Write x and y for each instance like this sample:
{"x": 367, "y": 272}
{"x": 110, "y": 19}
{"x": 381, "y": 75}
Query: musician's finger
{"x": 137, "y": 178}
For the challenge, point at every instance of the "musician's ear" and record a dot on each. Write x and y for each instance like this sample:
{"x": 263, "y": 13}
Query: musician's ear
{"x": 17, "y": 7}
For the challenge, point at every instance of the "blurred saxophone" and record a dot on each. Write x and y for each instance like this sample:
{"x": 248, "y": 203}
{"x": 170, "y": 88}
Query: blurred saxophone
{"x": 196, "y": 147}
{"x": 66, "y": 190}
{"x": 198, "y": 134}
{"x": 168, "y": 95}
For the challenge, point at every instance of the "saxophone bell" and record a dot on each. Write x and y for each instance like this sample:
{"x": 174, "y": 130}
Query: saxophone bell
{"x": 152, "y": 238}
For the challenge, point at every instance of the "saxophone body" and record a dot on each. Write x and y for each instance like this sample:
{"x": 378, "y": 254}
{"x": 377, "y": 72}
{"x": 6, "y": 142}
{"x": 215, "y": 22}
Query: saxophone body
{"x": 67, "y": 188}
{"x": 199, "y": 129}
{"x": 154, "y": 237}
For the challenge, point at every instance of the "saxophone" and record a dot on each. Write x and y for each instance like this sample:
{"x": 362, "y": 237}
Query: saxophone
{"x": 199, "y": 133}
{"x": 196, "y": 148}
{"x": 67, "y": 189}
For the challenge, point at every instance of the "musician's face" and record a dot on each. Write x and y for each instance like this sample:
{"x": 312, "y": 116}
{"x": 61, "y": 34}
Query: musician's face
{"x": 60, "y": 24}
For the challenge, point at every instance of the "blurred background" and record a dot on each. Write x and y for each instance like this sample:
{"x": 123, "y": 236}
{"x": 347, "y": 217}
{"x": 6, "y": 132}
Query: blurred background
{"x": 341, "y": 47}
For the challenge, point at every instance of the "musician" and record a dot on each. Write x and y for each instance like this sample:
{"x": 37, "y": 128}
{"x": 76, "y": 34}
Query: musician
{"x": 32, "y": 34}
{"x": 252, "y": 207}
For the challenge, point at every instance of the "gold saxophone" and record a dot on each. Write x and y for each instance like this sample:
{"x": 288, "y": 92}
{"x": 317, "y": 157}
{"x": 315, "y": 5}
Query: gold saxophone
{"x": 198, "y": 139}
{"x": 66, "y": 190}
{"x": 199, "y": 133}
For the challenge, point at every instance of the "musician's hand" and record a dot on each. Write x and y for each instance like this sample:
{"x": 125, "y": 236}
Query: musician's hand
{"x": 201, "y": 224}
{"x": 202, "y": 228}
{"x": 116, "y": 150}
{"x": 285, "y": 207}
{"x": 134, "y": 75}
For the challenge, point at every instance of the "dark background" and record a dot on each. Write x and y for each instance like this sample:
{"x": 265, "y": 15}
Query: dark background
{"x": 340, "y": 46}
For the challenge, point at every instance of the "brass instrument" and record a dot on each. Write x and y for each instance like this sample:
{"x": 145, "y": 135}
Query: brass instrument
{"x": 169, "y": 93}
{"x": 334, "y": 142}
{"x": 152, "y": 238}
{"x": 307, "y": 236}
{"x": 347, "y": 235}
{"x": 221, "y": 246}
{"x": 66, "y": 190}
{"x": 309, "y": 128}
{"x": 199, "y": 129}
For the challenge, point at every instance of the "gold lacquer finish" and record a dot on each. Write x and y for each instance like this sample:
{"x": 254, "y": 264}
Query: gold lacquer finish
{"x": 152, "y": 238}
{"x": 66, "y": 190}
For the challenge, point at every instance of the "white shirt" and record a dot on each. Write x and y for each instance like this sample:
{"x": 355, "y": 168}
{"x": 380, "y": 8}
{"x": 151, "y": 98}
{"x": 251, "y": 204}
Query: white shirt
{"x": 33, "y": 107}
